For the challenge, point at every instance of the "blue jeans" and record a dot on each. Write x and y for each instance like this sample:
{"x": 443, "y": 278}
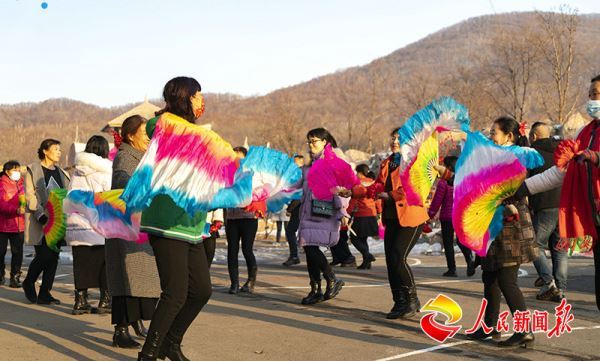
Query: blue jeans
{"x": 545, "y": 224}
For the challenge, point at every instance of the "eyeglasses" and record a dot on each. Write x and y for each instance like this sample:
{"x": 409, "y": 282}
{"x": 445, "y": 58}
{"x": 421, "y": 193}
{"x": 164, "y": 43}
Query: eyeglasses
{"x": 314, "y": 141}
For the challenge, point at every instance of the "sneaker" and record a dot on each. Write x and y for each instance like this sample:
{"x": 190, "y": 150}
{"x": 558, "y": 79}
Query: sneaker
{"x": 539, "y": 282}
{"x": 547, "y": 292}
{"x": 558, "y": 297}
{"x": 291, "y": 261}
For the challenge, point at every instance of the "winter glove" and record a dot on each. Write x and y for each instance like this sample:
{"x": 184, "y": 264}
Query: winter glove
{"x": 43, "y": 219}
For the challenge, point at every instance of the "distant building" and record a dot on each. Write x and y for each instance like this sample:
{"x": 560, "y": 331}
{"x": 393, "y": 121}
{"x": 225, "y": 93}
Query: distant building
{"x": 145, "y": 109}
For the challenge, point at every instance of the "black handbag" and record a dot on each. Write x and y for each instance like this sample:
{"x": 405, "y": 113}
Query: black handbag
{"x": 323, "y": 209}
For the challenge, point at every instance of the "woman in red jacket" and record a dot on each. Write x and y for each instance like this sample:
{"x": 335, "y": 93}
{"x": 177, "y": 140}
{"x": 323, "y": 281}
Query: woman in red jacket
{"x": 364, "y": 211}
{"x": 12, "y": 220}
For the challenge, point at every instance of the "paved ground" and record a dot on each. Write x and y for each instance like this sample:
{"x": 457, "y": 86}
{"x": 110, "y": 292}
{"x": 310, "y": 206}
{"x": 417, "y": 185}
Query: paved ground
{"x": 272, "y": 325}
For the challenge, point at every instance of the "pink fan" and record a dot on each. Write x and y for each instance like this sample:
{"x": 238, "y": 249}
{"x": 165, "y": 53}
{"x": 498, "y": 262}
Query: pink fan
{"x": 328, "y": 173}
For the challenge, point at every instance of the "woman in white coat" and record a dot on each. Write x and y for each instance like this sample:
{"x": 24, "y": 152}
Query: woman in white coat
{"x": 93, "y": 172}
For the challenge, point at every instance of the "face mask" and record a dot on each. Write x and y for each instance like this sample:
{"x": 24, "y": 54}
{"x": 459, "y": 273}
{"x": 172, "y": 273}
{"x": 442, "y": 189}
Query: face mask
{"x": 593, "y": 108}
{"x": 15, "y": 176}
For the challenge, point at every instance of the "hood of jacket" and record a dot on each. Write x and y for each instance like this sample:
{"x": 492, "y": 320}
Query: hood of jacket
{"x": 89, "y": 163}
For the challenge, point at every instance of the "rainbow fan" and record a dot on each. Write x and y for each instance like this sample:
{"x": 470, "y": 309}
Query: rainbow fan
{"x": 188, "y": 162}
{"x": 486, "y": 174}
{"x": 440, "y": 115}
{"x": 107, "y": 214}
{"x": 330, "y": 172}
{"x": 55, "y": 228}
{"x": 275, "y": 176}
{"x": 421, "y": 175}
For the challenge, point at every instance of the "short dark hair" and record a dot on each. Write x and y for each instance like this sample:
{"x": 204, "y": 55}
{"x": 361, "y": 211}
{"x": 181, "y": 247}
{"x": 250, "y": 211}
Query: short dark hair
{"x": 298, "y": 156}
{"x": 242, "y": 150}
{"x": 395, "y": 131}
{"x": 596, "y": 78}
{"x": 362, "y": 169}
{"x": 450, "y": 162}
{"x": 11, "y": 164}
{"x": 97, "y": 145}
{"x": 177, "y": 93}
{"x": 323, "y": 134}
{"x": 46, "y": 144}
{"x": 130, "y": 126}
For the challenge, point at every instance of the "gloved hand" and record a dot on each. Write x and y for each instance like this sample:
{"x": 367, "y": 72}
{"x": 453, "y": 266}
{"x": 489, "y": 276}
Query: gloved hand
{"x": 43, "y": 219}
{"x": 215, "y": 226}
{"x": 565, "y": 151}
{"x": 587, "y": 155}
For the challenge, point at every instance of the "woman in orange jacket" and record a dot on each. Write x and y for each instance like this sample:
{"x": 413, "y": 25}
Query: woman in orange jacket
{"x": 403, "y": 226}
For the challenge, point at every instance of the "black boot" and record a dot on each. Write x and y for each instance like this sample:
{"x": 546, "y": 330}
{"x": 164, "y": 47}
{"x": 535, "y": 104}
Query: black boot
{"x": 171, "y": 350}
{"x": 15, "y": 281}
{"x": 139, "y": 329}
{"x": 2, "y": 280}
{"x": 81, "y": 305}
{"x": 412, "y": 302}
{"x": 315, "y": 295}
{"x": 104, "y": 306}
{"x": 480, "y": 335}
{"x": 151, "y": 348}
{"x": 249, "y": 285}
{"x": 399, "y": 305}
{"x": 334, "y": 285}
{"x": 29, "y": 289}
{"x": 366, "y": 263}
{"x": 234, "y": 277}
{"x": 122, "y": 338}
{"x": 523, "y": 339}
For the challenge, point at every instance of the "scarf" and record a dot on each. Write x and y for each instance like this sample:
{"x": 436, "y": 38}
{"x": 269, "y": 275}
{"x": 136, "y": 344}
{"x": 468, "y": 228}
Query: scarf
{"x": 577, "y": 205}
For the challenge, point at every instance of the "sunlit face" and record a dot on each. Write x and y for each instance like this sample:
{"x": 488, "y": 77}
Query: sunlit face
{"x": 395, "y": 143}
{"x": 595, "y": 91}
{"x": 139, "y": 140}
{"x": 316, "y": 145}
{"x": 53, "y": 153}
{"x": 499, "y": 137}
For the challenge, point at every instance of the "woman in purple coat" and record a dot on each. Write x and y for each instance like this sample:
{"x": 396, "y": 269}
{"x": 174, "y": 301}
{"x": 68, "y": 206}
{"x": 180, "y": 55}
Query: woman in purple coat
{"x": 442, "y": 201}
{"x": 317, "y": 230}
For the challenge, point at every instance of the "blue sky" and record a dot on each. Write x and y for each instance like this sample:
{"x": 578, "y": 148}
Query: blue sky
{"x": 111, "y": 52}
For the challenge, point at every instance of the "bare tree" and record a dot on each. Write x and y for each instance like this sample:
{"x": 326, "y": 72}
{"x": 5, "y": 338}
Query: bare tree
{"x": 512, "y": 67}
{"x": 558, "y": 49}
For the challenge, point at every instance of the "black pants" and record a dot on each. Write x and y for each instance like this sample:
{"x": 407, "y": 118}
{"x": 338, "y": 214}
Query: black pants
{"x": 341, "y": 251}
{"x": 46, "y": 261}
{"x": 185, "y": 284}
{"x": 89, "y": 267}
{"x": 316, "y": 263}
{"x": 448, "y": 238}
{"x": 244, "y": 230}
{"x": 128, "y": 309}
{"x": 398, "y": 242}
{"x": 502, "y": 281}
{"x": 360, "y": 243}
{"x": 210, "y": 246}
{"x": 290, "y": 233}
{"x": 281, "y": 225}
{"x": 16, "y": 250}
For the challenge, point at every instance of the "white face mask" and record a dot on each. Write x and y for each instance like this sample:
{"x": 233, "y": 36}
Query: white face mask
{"x": 593, "y": 108}
{"x": 15, "y": 176}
